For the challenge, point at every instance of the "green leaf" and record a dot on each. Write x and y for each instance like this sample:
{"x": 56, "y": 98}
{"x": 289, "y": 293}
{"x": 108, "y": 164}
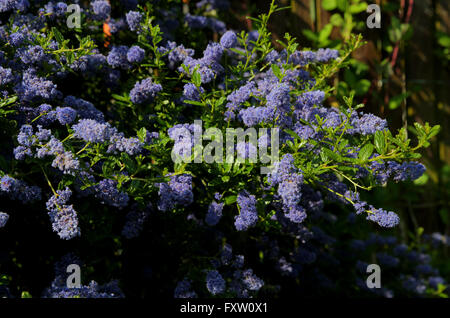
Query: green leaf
{"x": 121, "y": 98}
{"x": 420, "y": 231}
{"x": 290, "y": 144}
{"x": 444, "y": 216}
{"x": 276, "y": 71}
{"x": 225, "y": 178}
{"x": 418, "y": 130}
{"x": 142, "y": 134}
{"x": 357, "y": 8}
{"x": 434, "y": 131}
{"x": 397, "y": 100}
{"x": 25, "y": 294}
{"x": 240, "y": 52}
{"x": 325, "y": 32}
{"x": 423, "y": 179}
{"x": 220, "y": 101}
{"x": 329, "y": 4}
{"x": 230, "y": 199}
{"x": 58, "y": 36}
{"x": 70, "y": 56}
{"x": 444, "y": 40}
{"x": 336, "y": 20}
{"x": 380, "y": 143}
{"x": 395, "y": 31}
{"x": 323, "y": 156}
{"x": 327, "y": 154}
{"x": 342, "y": 89}
{"x": 365, "y": 152}
{"x": 281, "y": 43}
{"x": 293, "y": 134}
{"x": 310, "y": 35}
{"x": 342, "y": 4}
{"x": 196, "y": 78}
{"x": 227, "y": 167}
{"x": 349, "y": 78}
{"x": 415, "y": 156}
{"x": 342, "y": 144}
{"x": 362, "y": 87}
{"x": 193, "y": 102}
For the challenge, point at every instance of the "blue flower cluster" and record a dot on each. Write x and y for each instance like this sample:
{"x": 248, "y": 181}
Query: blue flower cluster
{"x": 145, "y": 91}
{"x": 416, "y": 272}
{"x": 208, "y": 66}
{"x": 97, "y": 122}
{"x": 178, "y": 191}
{"x": 19, "y": 190}
{"x": 63, "y": 216}
{"x": 289, "y": 181}
{"x": 184, "y": 290}
{"x": 228, "y": 40}
{"x": 248, "y": 215}
{"x": 202, "y": 22}
{"x": 214, "y": 213}
{"x": 183, "y": 137}
{"x": 106, "y": 190}
{"x": 134, "y": 224}
{"x": 59, "y": 288}
{"x": 4, "y": 217}
{"x": 92, "y": 131}
{"x": 134, "y": 20}
{"x": 215, "y": 283}
{"x": 101, "y": 9}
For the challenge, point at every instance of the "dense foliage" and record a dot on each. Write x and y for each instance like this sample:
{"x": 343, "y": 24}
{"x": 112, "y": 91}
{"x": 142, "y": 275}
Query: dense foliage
{"x": 99, "y": 165}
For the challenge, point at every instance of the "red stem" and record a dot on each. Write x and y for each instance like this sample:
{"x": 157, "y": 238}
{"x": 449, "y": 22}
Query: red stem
{"x": 408, "y": 16}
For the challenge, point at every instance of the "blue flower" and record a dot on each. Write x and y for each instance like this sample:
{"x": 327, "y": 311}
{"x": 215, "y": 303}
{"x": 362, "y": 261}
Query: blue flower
{"x": 6, "y": 5}
{"x": 5, "y": 76}
{"x": 177, "y": 191}
{"x": 134, "y": 223}
{"x": 226, "y": 254}
{"x": 66, "y": 115}
{"x": 108, "y": 193}
{"x": 383, "y": 218}
{"x": 134, "y": 20}
{"x": 84, "y": 108}
{"x": 214, "y": 282}
{"x": 53, "y": 147}
{"x": 92, "y": 131}
{"x": 117, "y": 57}
{"x": 135, "y": 54}
{"x": 325, "y": 55}
{"x": 214, "y": 213}
{"x": 177, "y": 54}
{"x": 246, "y": 150}
{"x": 33, "y": 88}
{"x": 251, "y": 281}
{"x": 196, "y": 22}
{"x": 144, "y": 91}
{"x": 282, "y": 169}
{"x": 21, "y": 152}
{"x": 248, "y": 215}
{"x": 4, "y": 217}
{"x": 368, "y": 124}
{"x": 184, "y": 290}
{"x": 191, "y": 92}
{"x": 19, "y": 190}
{"x": 101, "y": 9}
{"x": 228, "y": 40}
{"x": 66, "y": 162}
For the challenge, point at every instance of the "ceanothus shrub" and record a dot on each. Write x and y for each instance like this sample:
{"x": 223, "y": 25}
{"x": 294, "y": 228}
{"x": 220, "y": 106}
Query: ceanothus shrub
{"x": 90, "y": 117}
